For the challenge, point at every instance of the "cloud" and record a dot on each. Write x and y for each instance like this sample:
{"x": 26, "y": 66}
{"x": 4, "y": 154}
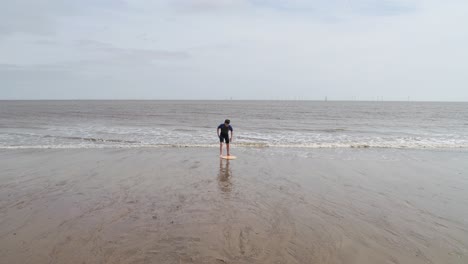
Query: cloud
{"x": 208, "y": 5}
{"x": 44, "y": 17}
{"x": 311, "y": 7}
{"x": 41, "y": 17}
{"x": 130, "y": 53}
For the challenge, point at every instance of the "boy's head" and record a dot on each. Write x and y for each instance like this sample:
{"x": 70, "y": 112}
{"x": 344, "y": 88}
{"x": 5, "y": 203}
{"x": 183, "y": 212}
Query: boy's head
{"x": 227, "y": 121}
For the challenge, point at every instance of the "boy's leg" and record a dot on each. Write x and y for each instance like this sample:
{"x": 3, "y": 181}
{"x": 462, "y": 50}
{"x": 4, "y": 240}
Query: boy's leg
{"x": 220, "y": 148}
{"x": 227, "y": 148}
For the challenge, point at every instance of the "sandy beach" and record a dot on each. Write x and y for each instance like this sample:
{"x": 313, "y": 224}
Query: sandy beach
{"x": 185, "y": 205}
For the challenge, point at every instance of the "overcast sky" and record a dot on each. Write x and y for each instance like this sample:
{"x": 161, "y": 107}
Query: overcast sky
{"x": 239, "y": 49}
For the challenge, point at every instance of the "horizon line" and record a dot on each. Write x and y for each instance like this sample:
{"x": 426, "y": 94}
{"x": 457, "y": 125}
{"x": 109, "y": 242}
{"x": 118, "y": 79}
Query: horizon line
{"x": 285, "y": 100}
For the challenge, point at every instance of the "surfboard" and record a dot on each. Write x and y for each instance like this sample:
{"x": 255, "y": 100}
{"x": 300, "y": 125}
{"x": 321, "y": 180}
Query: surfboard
{"x": 229, "y": 157}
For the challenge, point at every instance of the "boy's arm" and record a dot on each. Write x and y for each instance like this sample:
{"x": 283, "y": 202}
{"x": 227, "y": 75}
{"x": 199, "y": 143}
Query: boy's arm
{"x": 217, "y": 131}
{"x": 232, "y": 133}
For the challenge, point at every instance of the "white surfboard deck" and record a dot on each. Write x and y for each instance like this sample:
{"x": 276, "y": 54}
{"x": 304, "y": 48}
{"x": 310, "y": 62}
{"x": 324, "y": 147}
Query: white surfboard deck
{"x": 229, "y": 157}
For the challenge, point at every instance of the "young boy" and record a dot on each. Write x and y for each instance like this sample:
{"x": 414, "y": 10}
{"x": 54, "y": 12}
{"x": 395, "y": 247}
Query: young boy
{"x": 224, "y": 136}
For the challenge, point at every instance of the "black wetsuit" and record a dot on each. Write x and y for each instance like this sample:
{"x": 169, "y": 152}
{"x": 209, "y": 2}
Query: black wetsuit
{"x": 224, "y": 135}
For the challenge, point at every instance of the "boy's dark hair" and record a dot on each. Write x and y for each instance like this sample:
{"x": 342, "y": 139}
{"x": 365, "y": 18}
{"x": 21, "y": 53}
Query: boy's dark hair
{"x": 227, "y": 121}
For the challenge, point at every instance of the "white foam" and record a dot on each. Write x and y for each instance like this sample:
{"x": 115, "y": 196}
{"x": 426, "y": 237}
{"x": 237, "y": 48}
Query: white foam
{"x": 245, "y": 145}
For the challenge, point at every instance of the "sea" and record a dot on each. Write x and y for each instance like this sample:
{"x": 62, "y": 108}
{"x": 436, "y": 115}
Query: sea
{"x": 256, "y": 124}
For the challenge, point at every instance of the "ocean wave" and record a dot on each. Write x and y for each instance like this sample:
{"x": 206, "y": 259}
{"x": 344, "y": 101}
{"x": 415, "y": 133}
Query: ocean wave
{"x": 246, "y": 145}
{"x": 96, "y": 140}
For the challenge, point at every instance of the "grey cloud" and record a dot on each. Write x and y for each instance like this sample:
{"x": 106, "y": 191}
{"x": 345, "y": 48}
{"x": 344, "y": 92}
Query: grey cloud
{"x": 131, "y": 53}
{"x": 208, "y": 5}
{"x": 88, "y": 80}
{"x": 383, "y": 8}
{"x": 45, "y": 42}
{"x": 108, "y": 59}
{"x": 41, "y": 17}
{"x": 318, "y": 8}
{"x": 31, "y": 68}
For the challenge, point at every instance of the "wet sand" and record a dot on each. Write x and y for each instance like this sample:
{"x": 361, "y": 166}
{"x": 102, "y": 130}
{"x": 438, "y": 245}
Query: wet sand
{"x": 267, "y": 206}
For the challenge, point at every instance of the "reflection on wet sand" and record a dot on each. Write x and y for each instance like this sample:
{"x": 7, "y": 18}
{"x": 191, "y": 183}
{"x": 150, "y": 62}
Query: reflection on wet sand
{"x": 224, "y": 176}
{"x": 141, "y": 206}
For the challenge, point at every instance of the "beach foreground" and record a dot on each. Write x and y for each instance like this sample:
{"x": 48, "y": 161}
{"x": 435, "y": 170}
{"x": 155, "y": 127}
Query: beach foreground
{"x": 186, "y": 205}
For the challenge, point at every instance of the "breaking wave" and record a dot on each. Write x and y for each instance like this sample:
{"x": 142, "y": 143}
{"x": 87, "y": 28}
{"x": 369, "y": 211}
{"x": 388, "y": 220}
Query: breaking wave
{"x": 243, "y": 145}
